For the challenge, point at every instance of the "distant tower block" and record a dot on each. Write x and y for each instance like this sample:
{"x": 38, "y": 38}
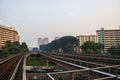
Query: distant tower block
{"x": 39, "y": 42}
{"x": 42, "y": 41}
{"x": 45, "y": 40}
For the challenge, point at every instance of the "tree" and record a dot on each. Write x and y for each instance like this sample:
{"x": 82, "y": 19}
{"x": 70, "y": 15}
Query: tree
{"x": 24, "y": 47}
{"x": 43, "y": 47}
{"x": 114, "y": 50}
{"x": 8, "y": 43}
{"x": 13, "y": 48}
{"x": 91, "y": 47}
{"x": 66, "y": 43}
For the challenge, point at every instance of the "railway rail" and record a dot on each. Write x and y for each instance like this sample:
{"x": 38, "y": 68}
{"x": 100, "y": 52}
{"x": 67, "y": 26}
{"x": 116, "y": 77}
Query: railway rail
{"x": 106, "y": 68}
{"x": 105, "y": 60}
{"x": 92, "y": 63}
{"x": 4, "y": 59}
{"x": 8, "y": 67}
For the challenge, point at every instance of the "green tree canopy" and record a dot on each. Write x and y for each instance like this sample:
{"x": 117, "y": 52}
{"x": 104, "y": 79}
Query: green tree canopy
{"x": 13, "y": 48}
{"x": 66, "y": 43}
{"x": 24, "y": 47}
{"x": 91, "y": 47}
{"x": 114, "y": 50}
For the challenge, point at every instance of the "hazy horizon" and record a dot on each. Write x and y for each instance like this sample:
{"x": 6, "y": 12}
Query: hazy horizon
{"x": 50, "y": 18}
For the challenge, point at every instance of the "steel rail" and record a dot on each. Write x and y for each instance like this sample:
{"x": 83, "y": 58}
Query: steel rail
{"x": 15, "y": 71}
{"x": 101, "y": 72}
{"x": 98, "y": 64}
{"x": 6, "y": 59}
{"x": 102, "y": 58}
{"x": 7, "y": 68}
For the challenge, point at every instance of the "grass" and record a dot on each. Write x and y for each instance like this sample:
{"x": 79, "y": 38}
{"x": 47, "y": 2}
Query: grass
{"x": 34, "y": 62}
{"x": 37, "y": 62}
{"x": 51, "y": 64}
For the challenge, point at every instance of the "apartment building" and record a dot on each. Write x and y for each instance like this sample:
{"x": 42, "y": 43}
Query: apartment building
{"x": 109, "y": 38}
{"x": 84, "y": 38}
{"x": 8, "y": 34}
{"x": 42, "y": 41}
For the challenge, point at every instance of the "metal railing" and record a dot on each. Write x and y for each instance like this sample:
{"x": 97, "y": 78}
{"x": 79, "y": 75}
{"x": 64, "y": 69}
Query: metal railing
{"x": 24, "y": 67}
{"x": 96, "y": 70}
{"x": 107, "y": 75}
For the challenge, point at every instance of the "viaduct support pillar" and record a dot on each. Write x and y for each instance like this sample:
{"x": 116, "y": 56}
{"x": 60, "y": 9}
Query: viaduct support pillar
{"x": 71, "y": 76}
{"x": 46, "y": 62}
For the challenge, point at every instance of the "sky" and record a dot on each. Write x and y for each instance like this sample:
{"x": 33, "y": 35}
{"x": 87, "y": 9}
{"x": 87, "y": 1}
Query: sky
{"x": 50, "y": 18}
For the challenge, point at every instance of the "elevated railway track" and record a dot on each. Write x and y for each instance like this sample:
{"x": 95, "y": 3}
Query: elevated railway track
{"x": 99, "y": 59}
{"x": 95, "y": 64}
{"x": 9, "y": 67}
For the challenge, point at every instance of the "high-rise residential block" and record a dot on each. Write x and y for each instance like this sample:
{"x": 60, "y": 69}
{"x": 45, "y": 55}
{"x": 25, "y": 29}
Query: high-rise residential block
{"x": 109, "y": 38}
{"x": 8, "y": 34}
{"x": 39, "y": 42}
{"x": 45, "y": 40}
{"x": 42, "y": 41}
